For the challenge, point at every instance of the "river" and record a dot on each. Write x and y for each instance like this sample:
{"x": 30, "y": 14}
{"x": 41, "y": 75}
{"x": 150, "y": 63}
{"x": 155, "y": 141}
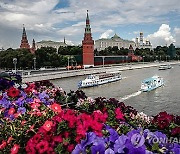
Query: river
{"x": 166, "y": 98}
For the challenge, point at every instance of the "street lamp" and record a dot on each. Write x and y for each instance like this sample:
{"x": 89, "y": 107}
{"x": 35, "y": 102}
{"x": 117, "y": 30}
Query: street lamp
{"x": 156, "y": 58}
{"x": 143, "y": 59}
{"x": 34, "y": 62}
{"x": 103, "y": 60}
{"x": 15, "y": 62}
{"x": 68, "y": 63}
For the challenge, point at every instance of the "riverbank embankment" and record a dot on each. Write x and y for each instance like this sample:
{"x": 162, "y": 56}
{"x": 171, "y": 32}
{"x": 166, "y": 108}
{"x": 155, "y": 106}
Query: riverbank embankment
{"x": 71, "y": 73}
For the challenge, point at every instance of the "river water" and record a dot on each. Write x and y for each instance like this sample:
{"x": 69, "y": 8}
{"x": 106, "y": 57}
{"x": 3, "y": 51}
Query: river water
{"x": 166, "y": 98}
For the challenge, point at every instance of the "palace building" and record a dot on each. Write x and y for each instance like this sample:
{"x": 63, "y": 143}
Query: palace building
{"x": 117, "y": 41}
{"x": 50, "y": 43}
{"x": 88, "y": 45}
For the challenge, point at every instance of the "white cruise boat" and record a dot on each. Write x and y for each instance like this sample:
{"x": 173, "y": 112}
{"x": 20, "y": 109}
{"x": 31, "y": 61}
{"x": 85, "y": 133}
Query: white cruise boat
{"x": 165, "y": 67}
{"x": 95, "y": 80}
{"x": 151, "y": 83}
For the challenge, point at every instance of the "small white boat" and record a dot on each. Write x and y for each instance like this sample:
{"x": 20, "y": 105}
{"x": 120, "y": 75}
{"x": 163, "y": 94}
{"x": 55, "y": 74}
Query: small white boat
{"x": 95, "y": 80}
{"x": 151, "y": 83}
{"x": 165, "y": 67}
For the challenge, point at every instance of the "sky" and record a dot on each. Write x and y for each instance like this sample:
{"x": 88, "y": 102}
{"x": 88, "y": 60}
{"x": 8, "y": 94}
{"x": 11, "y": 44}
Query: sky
{"x": 159, "y": 20}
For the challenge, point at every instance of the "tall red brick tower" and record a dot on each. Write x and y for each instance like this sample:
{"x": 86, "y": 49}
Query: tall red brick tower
{"x": 88, "y": 45}
{"x": 24, "y": 41}
{"x": 33, "y": 49}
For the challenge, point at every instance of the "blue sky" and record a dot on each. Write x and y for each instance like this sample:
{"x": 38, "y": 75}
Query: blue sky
{"x": 159, "y": 20}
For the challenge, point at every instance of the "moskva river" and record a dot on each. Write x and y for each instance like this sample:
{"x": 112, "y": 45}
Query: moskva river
{"x": 166, "y": 98}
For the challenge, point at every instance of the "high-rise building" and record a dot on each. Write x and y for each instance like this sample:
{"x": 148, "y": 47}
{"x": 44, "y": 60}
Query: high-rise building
{"x": 88, "y": 45}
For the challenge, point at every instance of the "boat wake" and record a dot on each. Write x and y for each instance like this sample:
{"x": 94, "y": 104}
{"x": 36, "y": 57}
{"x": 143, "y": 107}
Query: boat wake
{"x": 131, "y": 95}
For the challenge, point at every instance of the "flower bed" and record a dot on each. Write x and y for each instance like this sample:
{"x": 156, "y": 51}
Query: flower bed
{"x": 40, "y": 118}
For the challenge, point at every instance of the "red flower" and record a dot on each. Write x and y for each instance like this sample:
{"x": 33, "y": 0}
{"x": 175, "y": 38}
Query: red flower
{"x": 13, "y": 92}
{"x": 163, "y": 120}
{"x": 11, "y": 111}
{"x": 58, "y": 139}
{"x": 15, "y": 149}
{"x": 9, "y": 139}
{"x": 175, "y": 131}
{"x": 56, "y": 107}
{"x": 17, "y": 115}
{"x": 42, "y": 146}
{"x": 35, "y": 105}
{"x": 47, "y": 125}
{"x": 2, "y": 145}
{"x": 23, "y": 122}
{"x": 70, "y": 148}
{"x": 119, "y": 114}
{"x": 1, "y": 97}
{"x": 36, "y": 138}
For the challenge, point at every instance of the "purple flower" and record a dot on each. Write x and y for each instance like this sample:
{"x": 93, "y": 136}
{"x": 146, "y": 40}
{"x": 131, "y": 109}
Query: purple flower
{"x": 21, "y": 110}
{"x": 99, "y": 148}
{"x": 113, "y": 134}
{"x": 90, "y": 137}
{"x": 109, "y": 151}
{"x": 29, "y": 100}
{"x": 120, "y": 144}
{"x": 135, "y": 142}
{"x": 5, "y": 103}
{"x": 176, "y": 148}
{"x": 79, "y": 149}
{"x": 98, "y": 145}
{"x": 44, "y": 97}
{"x": 20, "y": 102}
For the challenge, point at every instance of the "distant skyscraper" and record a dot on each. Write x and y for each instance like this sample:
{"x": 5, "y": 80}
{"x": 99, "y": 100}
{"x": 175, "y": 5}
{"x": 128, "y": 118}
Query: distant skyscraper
{"x": 88, "y": 45}
{"x": 24, "y": 40}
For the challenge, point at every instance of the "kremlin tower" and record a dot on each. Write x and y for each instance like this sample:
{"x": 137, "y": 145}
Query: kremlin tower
{"x": 88, "y": 45}
{"x": 25, "y": 44}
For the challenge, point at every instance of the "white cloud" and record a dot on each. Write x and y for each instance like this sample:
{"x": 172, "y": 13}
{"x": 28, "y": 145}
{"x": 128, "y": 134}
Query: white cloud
{"x": 177, "y": 36}
{"x": 107, "y": 33}
{"x": 44, "y": 19}
{"x": 162, "y": 37}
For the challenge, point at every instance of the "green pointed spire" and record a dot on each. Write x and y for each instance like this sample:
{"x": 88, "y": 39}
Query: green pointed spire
{"x": 87, "y": 18}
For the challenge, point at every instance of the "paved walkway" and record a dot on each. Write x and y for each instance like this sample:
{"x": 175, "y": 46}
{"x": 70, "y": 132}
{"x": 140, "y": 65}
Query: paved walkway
{"x": 71, "y": 73}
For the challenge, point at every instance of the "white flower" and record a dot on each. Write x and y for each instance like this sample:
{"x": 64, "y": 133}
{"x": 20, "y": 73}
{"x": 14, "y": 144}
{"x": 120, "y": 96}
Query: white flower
{"x": 16, "y": 85}
{"x": 24, "y": 86}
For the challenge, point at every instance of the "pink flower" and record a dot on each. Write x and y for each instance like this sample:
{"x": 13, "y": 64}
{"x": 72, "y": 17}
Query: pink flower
{"x": 56, "y": 107}
{"x": 47, "y": 125}
{"x": 42, "y": 146}
{"x": 35, "y": 105}
{"x": 70, "y": 148}
{"x": 58, "y": 139}
{"x": 11, "y": 111}
{"x": 9, "y": 139}
{"x": 15, "y": 149}
{"x": 3, "y": 145}
{"x": 119, "y": 114}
